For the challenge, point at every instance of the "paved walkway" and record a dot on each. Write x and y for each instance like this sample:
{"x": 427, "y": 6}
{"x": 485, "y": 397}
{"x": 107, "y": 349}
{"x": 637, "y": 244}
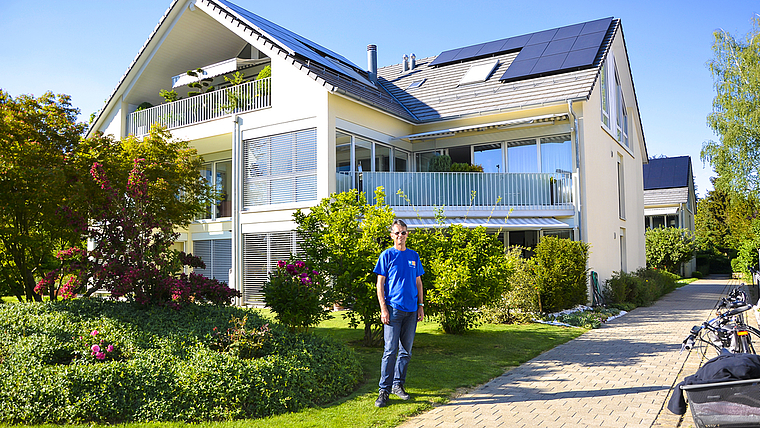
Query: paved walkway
{"x": 619, "y": 375}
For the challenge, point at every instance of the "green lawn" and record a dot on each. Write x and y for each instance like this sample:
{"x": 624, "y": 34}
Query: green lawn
{"x": 442, "y": 366}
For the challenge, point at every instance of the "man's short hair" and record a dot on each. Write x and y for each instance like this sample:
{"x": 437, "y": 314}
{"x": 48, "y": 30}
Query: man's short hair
{"x": 399, "y": 222}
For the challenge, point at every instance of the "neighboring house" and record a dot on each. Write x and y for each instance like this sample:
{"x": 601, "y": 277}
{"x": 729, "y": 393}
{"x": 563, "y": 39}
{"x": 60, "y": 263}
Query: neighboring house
{"x": 669, "y": 197}
{"x": 552, "y": 118}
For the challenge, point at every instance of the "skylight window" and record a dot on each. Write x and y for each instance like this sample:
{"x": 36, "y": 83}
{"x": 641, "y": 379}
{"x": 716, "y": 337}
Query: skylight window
{"x": 479, "y": 73}
{"x": 415, "y": 84}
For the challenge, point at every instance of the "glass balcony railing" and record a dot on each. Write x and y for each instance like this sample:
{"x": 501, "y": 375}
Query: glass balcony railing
{"x": 464, "y": 189}
{"x": 236, "y": 99}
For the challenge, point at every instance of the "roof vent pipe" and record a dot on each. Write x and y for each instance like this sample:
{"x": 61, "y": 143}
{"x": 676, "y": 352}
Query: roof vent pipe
{"x": 372, "y": 63}
{"x": 412, "y": 61}
{"x": 406, "y": 63}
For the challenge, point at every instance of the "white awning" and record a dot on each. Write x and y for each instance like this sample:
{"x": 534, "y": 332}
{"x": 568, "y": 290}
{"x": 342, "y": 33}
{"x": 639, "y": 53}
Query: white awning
{"x": 213, "y": 70}
{"x": 521, "y": 223}
{"x": 547, "y": 119}
{"x": 660, "y": 211}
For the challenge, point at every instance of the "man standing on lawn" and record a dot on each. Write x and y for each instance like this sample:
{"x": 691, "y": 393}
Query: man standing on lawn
{"x": 399, "y": 292}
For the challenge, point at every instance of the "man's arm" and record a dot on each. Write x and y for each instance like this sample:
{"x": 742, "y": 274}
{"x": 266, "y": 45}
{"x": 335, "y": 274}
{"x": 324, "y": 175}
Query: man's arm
{"x": 385, "y": 317}
{"x": 420, "y": 303}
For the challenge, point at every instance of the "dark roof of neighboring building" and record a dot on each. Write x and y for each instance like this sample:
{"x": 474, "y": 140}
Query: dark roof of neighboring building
{"x": 666, "y": 173}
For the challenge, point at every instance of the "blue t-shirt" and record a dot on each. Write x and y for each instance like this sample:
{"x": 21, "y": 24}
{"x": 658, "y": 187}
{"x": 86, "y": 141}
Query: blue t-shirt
{"x": 400, "y": 269}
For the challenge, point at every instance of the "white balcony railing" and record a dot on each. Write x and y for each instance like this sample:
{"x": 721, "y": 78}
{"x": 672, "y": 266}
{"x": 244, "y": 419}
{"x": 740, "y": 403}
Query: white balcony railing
{"x": 236, "y": 99}
{"x": 464, "y": 189}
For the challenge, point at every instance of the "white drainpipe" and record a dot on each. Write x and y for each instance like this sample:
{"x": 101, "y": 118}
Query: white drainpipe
{"x": 237, "y": 206}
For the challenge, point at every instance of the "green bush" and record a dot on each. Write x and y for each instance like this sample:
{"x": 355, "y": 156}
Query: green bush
{"x": 559, "y": 266}
{"x": 440, "y": 164}
{"x": 640, "y": 288}
{"x": 697, "y": 274}
{"x": 667, "y": 247}
{"x": 465, "y": 167}
{"x": 163, "y": 365}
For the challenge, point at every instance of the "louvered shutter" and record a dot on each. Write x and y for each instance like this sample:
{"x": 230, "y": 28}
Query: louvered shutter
{"x": 203, "y": 250}
{"x": 261, "y": 252}
{"x": 222, "y": 257}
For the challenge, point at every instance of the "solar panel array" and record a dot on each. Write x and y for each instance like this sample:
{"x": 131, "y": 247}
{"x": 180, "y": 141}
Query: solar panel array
{"x": 299, "y": 45}
{"x": 560, "y": 49}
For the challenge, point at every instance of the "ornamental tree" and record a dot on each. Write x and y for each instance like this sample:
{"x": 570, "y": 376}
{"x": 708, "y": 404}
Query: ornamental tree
{"x": 138, "y": 191}
{"x": 40, "y": 190}
{"x": 342, "y": 238}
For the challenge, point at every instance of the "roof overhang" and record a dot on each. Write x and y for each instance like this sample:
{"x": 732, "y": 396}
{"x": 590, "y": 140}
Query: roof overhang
{"x": 516, "y": 223}
{"x": 547, "y": 119}
{"x": 660, "y": 211}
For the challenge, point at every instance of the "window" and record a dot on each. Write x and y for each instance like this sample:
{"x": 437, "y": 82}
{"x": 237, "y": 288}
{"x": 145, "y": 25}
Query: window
{"x": 613, "y": 103}
{"x": 604, "y": 91}
{"x": 623, "y": 252}
{"x": 219, "y": 174}
{"x": 488, "y": 156}
{"x": 478, "y": 73}
{"x": 621, "y": 188}
{"x": 217, "y": 255}
{"x": 556, "y": 154}
{"x": 559, "y": 233}
{"x": 422, "y": 160}
{"x": 261, "y": 251}
{"x": 415, "y": 84}
{"x": 280, "y": 168}
{"x": 522, "y": 156}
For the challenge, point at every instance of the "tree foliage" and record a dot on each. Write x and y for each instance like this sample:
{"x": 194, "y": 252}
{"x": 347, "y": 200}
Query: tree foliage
{"x": 465, "y": 269}
{"x": 559, "y": 267}
{"x": 736, "y": 111}
{"x": 39, "y": 187}
{"x": 342, "y": 238}
{"x": 668, "y": 247}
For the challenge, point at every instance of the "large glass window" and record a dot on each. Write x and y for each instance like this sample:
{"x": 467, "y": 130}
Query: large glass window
{"x": 422, "y": 160}
{"x": 400, "y": 161}
{"x": 522, "y": 156}
{"x": 556, "y": 154}
{"x": 489, "y": 156}
{"x": 280, "y": 168}
{"x": 382, "y": 158}
{"x": 363, "y": 154}
{"x": 605, "y": 95}
{"x": 614, "y": 111}
{"x": 219, "y": 175}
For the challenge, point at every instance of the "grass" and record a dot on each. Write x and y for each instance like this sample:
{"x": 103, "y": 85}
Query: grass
{"x": 442, "y": 366}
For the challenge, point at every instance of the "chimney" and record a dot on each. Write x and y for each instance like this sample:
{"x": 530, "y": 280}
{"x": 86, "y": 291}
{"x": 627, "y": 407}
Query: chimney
{"x": 406, "y": 64}
{"x": 372, "y": 63}
{"x": 412, "y": 61}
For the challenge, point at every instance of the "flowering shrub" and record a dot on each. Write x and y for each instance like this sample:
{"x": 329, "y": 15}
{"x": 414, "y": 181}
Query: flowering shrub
{"x": 133, "y": 258}
{"x": 297, "y": 294}
{"x": 96, "y": 348}
{"x": 241, "y": 341}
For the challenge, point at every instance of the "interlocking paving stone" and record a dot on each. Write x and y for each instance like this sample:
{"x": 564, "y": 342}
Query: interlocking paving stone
{"x": 619, "y": 375}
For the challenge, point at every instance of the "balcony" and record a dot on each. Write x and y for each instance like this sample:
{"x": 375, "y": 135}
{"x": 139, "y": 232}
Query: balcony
{"x": 242, "y": 98}
{"x": 535, "y": 191}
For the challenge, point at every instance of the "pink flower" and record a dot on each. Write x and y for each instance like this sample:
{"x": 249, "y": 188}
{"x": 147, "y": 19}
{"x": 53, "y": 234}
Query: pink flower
{"x": 94, "y": 332}
{"x": 100, "y": 356}
{"x": 95, "y": 348}
{"x": 280, "y": 264}
{"x": 109, "y": 348}
{"x": 300, "y": 264}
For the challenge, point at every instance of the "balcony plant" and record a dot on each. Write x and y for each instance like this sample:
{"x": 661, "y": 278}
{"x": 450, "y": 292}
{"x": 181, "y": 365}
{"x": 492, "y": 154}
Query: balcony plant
{"x": 202, "y": 85}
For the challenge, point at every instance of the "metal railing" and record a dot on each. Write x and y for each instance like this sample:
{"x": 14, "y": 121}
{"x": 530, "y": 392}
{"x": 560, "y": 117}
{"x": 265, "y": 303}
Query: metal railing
{"x": 464, "y": 189}
{"x": 211, "y": 105}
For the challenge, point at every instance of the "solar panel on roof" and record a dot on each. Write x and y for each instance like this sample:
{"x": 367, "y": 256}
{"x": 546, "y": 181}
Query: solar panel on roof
{"x": 596, "y": 26}
{"x": 580, "y": 58}
{"x": 468, "y": 52}
{"x": 588, "y": 41}
{"x": 549, "y": 63}
{"x": 532, "y": 51}
{"x": 547, "y": 51}
{"x": 569, "y": 31}
{"x": 445, "y": 57}
{"x": 518, "y": 69}
{"x": 542, "y": 37}
{"x": 492, "y": 47}
{"x": 559, "y": 46}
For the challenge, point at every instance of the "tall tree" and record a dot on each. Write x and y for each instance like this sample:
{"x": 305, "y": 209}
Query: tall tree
{"x": 736, "y": 111}
{"x": 37, "y": 136}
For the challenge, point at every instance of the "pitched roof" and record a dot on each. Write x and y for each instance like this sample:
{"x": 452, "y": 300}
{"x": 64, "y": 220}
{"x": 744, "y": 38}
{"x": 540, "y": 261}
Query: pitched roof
{"x": 441, "y": 96}
{"x": 666, "y": 173}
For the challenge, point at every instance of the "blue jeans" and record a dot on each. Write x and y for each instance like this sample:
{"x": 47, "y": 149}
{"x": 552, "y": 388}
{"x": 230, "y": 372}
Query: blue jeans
{"x": 399, "y": 337}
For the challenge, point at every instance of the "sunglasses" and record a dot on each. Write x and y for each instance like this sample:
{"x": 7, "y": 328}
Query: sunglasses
{"x": 403, "y": 233}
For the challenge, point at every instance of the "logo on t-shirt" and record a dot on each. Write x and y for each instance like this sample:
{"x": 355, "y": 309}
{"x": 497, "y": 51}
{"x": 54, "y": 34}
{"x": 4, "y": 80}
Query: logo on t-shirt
{"x": 412, "y": 264}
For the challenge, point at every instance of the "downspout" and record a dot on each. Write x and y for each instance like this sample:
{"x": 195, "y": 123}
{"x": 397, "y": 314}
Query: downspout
{"x": 237, "y": 203}
{"x": 577, "y": 180}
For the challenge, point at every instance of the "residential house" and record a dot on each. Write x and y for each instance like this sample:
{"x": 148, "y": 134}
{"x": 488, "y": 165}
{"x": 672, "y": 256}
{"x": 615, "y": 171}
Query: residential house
{"x": 551, "y": 117}
{"x": 669, "y": 197}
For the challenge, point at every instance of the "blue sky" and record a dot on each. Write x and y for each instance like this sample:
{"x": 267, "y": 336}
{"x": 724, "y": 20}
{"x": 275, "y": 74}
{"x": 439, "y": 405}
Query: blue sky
{"x": 83, "y": 47}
